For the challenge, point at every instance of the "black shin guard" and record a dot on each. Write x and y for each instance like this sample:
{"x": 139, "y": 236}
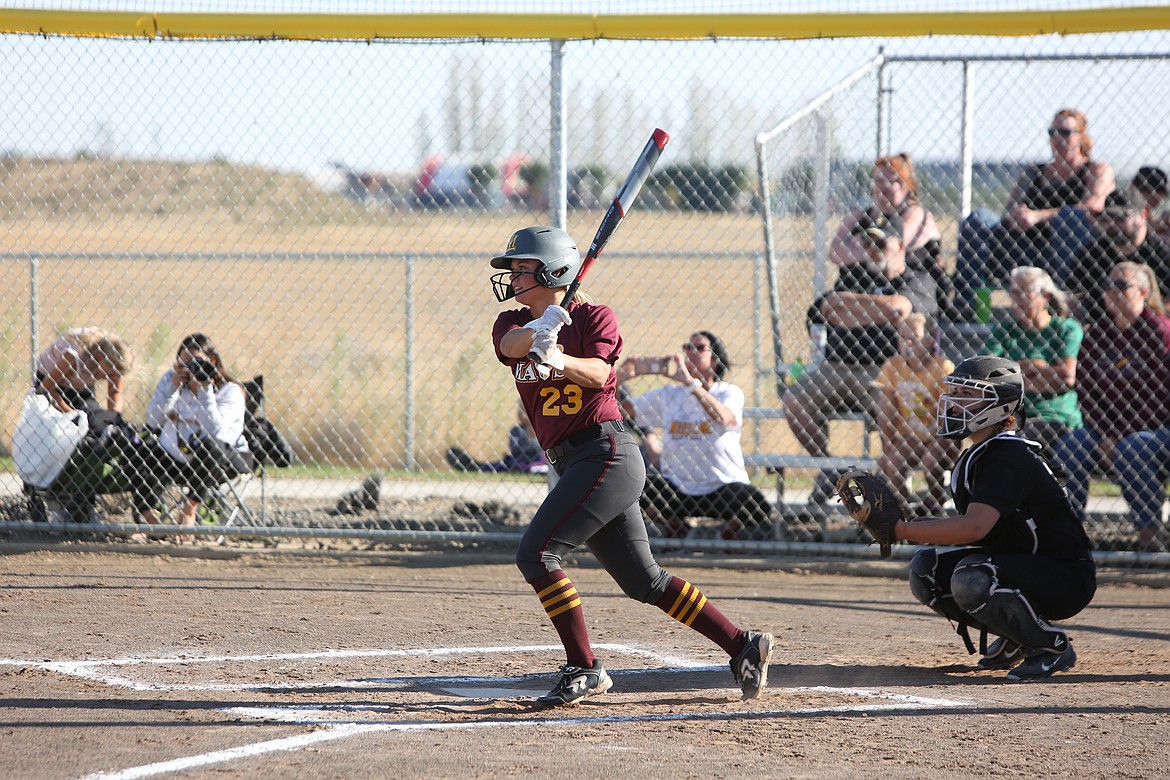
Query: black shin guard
{"x": 1005, "y": 611}
{"x": 929, "y": 591}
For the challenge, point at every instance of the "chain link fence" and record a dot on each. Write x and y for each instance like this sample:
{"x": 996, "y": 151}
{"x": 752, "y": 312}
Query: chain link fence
{"x": 1090, "y": 346}
{"x": 324, "y": 211}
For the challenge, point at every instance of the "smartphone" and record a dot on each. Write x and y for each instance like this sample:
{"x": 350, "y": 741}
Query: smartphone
{"x": 653, "y": 365}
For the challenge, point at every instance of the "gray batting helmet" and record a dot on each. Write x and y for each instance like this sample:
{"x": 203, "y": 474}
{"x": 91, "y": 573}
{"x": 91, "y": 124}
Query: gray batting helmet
{"x": 1000, "y": 384}
{"x": 552, "y": 247}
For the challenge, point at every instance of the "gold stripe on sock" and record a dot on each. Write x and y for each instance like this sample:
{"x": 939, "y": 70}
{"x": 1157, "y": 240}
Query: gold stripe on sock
{"x": 557, "y": 598}
{"x": 681, "y": 611}
{"x": 695, "y": 613}
{"x": 563, "y": 608}
{"x": 555, "y": 586}
{"x": 682, "y": 595}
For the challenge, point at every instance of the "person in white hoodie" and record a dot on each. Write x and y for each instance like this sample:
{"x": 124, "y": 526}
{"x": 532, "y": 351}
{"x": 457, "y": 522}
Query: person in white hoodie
{"x": 198, "y": 413}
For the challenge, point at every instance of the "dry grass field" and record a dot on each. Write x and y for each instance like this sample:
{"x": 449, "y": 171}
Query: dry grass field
{"x": 314, "y": 291}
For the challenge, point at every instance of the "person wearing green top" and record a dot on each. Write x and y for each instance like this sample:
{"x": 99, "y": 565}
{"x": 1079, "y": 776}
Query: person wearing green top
{"x": 1044, "y": 340}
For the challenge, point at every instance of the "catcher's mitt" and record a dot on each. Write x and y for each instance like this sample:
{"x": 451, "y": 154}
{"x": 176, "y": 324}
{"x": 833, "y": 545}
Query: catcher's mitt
{"x": 870, "y": 501}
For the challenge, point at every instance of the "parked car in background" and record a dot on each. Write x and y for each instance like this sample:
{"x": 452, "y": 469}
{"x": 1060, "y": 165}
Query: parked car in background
{"x": 450, "y": 183}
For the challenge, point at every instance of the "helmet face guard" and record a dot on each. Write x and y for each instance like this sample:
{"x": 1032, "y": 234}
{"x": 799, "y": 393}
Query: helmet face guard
{"x": 959, "y": 416}
{"x": 502, "y": 286}
{"x": 557, "y": 255}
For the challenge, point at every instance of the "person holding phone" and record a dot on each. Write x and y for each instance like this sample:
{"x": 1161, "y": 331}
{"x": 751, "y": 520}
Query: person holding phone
{"x": 198, "y": 413}
{"x": 701, "y": 418}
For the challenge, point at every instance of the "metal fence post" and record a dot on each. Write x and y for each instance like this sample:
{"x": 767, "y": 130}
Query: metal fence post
{"x": 968, "y": 140}
{"x": 34, "y": 294}
{"x": 558, "y": 156}
{"x": 408, "y": 403}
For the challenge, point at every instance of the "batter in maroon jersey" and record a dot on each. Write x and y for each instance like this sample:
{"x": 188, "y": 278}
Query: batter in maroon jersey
{"x": 562, "y": 362}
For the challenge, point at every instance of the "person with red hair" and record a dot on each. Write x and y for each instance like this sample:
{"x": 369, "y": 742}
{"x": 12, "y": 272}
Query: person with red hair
{"x": 894, "y": 186}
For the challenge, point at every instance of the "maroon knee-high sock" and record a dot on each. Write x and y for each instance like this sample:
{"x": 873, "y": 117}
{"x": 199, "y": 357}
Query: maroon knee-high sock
{"x": 686, "y": 604}
{"x": 561, "y": 603}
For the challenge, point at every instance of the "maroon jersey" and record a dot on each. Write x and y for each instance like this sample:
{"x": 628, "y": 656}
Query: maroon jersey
{"x": 556, "y": 406}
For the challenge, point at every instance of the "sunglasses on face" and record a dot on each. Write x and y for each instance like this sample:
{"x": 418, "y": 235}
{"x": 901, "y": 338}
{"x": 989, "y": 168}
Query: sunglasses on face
{"x": 1122, "y": 284}
{"x": 1063, "y": 132}
{"x": 688, "y": 347}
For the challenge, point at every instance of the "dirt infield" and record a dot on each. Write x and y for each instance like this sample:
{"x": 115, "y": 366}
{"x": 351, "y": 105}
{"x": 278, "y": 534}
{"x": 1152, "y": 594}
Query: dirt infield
{"x": 200, "y": 663}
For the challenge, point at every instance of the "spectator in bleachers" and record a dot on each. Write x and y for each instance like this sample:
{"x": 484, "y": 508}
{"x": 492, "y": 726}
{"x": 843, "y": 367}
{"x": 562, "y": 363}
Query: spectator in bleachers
{"x": 1124, "y": 236}
{"x": 861, "y": 315}
{"x": 701, "y": 419}
{"x": 1150, "y": 183}
{"x": 1123, "y": 378}
{"x": 894, "y": 186}
{"x": 909, "y": 385}
{"x": 1045, "y": 341}
{"x": 1048, "y": 217}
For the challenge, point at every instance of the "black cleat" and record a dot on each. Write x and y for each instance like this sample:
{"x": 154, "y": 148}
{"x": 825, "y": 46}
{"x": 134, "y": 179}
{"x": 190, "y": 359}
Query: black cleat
{"x": 750, "y": 666}
{"x": 577, "y": 683}
{"x": 1041, "y": 664}
{"x": 1003, "y": 653}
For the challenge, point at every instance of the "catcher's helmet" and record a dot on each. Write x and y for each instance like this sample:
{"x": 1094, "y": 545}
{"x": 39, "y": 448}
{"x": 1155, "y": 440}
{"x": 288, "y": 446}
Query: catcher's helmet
{"x": 1000, "y": 386}
{"x": 557, "y": 252}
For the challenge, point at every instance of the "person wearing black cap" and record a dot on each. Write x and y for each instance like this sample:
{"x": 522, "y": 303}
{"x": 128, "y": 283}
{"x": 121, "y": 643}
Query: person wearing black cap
{"x": 1151, "y": 184}
{"x": 861, "y": 315}
{"x": 1123, "y": 235}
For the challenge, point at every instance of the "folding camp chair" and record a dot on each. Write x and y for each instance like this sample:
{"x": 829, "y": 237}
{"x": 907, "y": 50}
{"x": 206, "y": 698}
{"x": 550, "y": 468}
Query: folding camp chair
{"x": 228, "y": 503}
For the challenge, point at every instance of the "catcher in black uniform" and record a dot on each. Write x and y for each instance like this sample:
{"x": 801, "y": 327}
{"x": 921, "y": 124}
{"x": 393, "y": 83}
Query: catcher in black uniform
{"x": 1024, "y": 558}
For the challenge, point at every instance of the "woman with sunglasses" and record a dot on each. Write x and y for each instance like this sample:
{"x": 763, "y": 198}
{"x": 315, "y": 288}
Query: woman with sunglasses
{"x": 701, "y": 417}
{"x": 1123, "y": 372}
{"x": 1044, "y": 340}
{"x": 1048, "y": 218}
{"x": 561, "y": 360}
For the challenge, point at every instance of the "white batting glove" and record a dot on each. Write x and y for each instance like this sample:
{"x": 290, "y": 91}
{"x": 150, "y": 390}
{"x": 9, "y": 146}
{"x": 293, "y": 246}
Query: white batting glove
{"x": 551, "y": 321}
{"x": 554, "y": 357}
{"x": 547, "y": 351}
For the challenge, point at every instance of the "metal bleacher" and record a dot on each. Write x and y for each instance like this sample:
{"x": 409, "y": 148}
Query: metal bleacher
{"x": 956, "y": 341}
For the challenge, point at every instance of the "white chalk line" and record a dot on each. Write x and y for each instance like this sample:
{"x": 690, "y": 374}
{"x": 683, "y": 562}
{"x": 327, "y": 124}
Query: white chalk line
{"x": 93, "y": 669}
{"x": 328, "y": 727}
{"x": 346, "y": 730}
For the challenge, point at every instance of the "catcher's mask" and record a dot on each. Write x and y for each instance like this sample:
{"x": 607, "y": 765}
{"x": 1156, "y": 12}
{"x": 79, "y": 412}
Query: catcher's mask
{"x": 552, "y": 247}
{"x": 999, "y": 393}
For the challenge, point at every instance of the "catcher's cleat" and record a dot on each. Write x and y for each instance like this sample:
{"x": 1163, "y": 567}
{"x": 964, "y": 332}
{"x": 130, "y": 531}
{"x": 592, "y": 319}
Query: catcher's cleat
{"x": 1001, "y": 654}
{"x": 577, "y": 683}
{"x": 750, "y": 666}
{"x": 1041, "y": 664}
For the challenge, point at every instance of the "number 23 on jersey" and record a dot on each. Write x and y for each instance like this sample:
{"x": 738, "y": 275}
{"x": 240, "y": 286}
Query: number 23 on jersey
{"x": 556, "y": 401}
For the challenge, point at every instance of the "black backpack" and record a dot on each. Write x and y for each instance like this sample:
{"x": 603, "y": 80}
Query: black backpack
{"x": 267, "y": 444}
